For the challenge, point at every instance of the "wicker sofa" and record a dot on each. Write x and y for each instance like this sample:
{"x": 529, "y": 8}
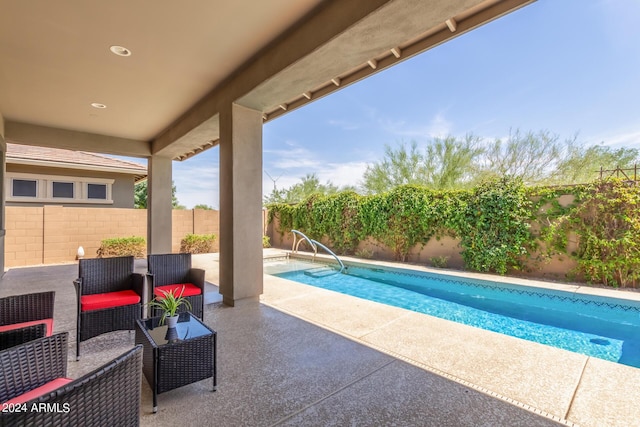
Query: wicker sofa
{"x": 36, "y": 391}
{"x": 109, "y": 297}
{"x": 25, "y": 317}
{"x": 173, "y": 272}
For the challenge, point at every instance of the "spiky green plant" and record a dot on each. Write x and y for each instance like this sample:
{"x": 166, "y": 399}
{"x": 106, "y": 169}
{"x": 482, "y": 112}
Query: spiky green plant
{"x": 169, "y": 303}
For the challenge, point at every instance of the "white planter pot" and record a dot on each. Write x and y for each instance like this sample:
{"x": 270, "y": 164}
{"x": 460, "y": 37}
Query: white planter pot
{"x": 172, "y": 321}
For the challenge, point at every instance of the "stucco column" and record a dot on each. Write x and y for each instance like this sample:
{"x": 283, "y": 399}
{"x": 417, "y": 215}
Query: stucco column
{"x": 240, "y": 205}
{"x": 3, "y": 169}
{"x": 159, "y": 206}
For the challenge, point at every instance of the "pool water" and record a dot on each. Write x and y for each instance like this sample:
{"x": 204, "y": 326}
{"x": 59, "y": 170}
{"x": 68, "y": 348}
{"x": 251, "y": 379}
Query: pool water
{"x": 601, "y": 327}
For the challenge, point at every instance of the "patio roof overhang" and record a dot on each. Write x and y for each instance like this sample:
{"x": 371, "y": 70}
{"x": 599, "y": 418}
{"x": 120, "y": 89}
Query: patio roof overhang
{"x": 189, "y": 60}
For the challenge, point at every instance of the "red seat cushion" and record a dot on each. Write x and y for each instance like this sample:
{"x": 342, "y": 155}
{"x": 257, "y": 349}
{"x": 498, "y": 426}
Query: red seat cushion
{"x": 40, "y": 391}
{"x": 108, "y": 300}
{"x": 48, "y": 323}
{"x": 189, "y": 290}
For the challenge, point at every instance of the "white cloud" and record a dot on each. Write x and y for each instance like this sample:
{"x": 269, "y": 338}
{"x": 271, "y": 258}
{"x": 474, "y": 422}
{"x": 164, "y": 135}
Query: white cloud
{"x": 296, "y": 157}
{"x": 197, "y": 183}
{"x": 628, "y": 139}
{"x": 396, "y": 127}
{"x": 295, "y": 162}
{"x": 344, "y": 124}
{"x": 342, "y": 174}
{"x": 438, "y": 127}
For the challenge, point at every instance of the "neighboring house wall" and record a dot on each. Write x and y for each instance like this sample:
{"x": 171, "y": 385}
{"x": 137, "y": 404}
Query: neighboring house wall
{"x": 52, "y": 234}
{"x": 121, "y": 185}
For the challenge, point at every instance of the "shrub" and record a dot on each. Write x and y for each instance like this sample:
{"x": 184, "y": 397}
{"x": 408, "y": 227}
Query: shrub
{"x": 197, "y": 243}
{"x": 439, "y": 261}
{"x": 266, "y": 242}
{"x": 123, "y": 246}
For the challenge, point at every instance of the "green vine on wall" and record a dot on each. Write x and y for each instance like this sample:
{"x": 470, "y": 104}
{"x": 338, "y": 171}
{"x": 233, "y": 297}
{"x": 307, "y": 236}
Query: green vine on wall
{"x": 492, "y": 222}
{"x": 494, "y": 226}
{"x": 407, "y": 216}
{"x": 411, "y": 215}
{"x": 607, "y": 225}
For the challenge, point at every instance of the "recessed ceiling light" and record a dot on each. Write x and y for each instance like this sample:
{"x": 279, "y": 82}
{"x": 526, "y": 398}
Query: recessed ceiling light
{"x": 120, "y": 51}
{"x": 98, "y": 105}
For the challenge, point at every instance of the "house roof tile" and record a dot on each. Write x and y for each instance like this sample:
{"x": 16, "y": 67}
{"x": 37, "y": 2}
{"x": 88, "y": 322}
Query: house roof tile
{"x": 73, "y": 159}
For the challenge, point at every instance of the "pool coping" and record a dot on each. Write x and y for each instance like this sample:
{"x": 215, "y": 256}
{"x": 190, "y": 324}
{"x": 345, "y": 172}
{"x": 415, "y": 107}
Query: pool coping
{"x": 567, "y": 387}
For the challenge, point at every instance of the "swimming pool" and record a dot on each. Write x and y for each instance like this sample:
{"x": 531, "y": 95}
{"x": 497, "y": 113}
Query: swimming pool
{"x": 606, "y": 328}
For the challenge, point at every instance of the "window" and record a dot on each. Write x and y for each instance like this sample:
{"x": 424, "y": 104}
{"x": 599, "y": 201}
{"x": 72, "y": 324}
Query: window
{"x": 37, "y": 188}
{"x": 97, "y": 191}
{"x": 63, "y": 190}
{"x": 24, "y": 188}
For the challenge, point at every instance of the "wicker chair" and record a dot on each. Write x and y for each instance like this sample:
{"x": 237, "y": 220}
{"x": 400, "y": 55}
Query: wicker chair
{"x": 171, "y": 271}
{"x": 25, "y": 317}
{"x": 110, "y": 395}
{"x": 109, "y": 297}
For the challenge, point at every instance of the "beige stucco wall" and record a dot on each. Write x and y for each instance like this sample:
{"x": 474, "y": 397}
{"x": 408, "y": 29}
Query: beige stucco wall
{"x": 122, "y": 188}
{"x": 52, "y": 234}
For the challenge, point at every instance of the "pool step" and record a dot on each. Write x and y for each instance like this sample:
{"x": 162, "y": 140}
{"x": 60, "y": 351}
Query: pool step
{"x": 320, "y": 272}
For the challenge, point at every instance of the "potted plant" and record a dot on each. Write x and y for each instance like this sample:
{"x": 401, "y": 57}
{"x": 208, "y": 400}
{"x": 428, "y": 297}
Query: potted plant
{"x": 169, "y": 303}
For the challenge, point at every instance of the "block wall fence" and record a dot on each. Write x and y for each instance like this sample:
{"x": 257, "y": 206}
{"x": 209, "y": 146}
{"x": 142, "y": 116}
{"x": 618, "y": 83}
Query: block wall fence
{"x": 52, "y": 234}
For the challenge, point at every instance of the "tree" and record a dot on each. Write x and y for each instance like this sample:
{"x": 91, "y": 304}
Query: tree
{"x": 400, "y": 166}
{"x": 532, "y": 157}
{"x": 445, "y": 164}
{"x": 536, "y": 158}
{"x": 582, "y": 164}
{"x": 452, "y": 163}
{"x": 140, "y": 196}
{"x": 307, "y": 186}
{"x": 203, "y": 207}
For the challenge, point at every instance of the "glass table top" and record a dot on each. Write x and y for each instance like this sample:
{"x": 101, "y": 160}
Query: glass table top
{"x": 188, "y": 327}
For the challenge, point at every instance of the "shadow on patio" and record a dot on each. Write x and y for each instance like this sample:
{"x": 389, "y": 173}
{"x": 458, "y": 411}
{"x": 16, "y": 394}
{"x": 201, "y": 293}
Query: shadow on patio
{"x": 275, "y": 369}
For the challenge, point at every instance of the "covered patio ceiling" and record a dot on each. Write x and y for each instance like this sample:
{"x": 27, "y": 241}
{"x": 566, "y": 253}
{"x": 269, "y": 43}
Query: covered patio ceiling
{"x": 188, "y": 59}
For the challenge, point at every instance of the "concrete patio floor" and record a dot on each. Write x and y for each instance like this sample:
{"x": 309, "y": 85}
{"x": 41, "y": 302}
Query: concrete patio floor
{"x": 306, "y": 356}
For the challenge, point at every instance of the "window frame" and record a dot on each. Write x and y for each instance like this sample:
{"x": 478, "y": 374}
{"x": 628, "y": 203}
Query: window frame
{"x": 106, "y": 192}
{"x": 44, "y": 189}
{"x": 60, "y": 181}
{"x": 12, "y": 188}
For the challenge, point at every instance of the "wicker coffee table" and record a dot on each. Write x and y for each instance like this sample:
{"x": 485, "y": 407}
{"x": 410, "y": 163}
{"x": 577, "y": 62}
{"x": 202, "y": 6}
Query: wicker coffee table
{"x": 176, "y": 357}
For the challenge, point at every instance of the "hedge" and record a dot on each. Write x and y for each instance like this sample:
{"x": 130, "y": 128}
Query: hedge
{"x": 197, "y": 243}
{"x": 123, "y": 246}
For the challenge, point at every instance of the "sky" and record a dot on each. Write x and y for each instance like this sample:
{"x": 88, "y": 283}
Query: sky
{"x": 571, "y": 67}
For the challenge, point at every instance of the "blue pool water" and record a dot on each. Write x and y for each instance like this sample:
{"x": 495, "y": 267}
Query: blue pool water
{"x": 601, "y": 327}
